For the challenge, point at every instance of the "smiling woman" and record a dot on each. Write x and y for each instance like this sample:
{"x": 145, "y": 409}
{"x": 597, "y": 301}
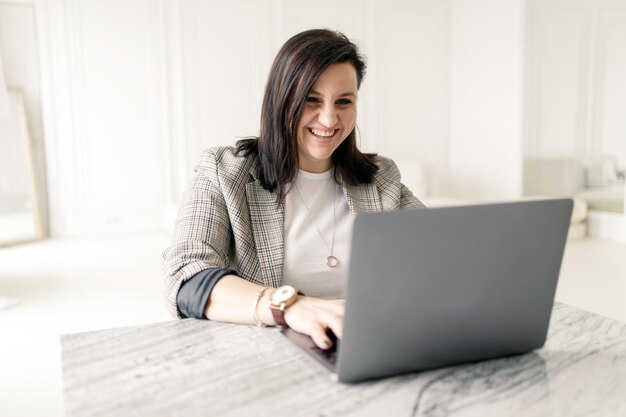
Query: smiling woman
{"x": 277, "y": 210}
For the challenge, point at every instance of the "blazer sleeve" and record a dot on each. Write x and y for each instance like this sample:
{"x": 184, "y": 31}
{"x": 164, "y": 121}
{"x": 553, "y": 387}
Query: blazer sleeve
{"x": 408, "y": 200}
{"x": 391, "y": 188}
{"x": 194, "y": 293}
{"x": 202, "y": 234}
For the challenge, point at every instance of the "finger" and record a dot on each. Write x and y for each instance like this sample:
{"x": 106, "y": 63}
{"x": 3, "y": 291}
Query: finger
{"x": 335, "y": 323}
{"x": 321, "y": 340}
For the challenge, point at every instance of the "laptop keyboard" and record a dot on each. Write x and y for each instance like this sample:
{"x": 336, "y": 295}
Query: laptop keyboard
{"x": 330, "y": 354}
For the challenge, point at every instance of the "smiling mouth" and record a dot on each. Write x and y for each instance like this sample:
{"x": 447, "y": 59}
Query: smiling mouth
{"x": 323, "y": 133}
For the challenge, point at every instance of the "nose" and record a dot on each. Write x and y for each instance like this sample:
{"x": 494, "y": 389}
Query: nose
{"x": 328, "y": 116}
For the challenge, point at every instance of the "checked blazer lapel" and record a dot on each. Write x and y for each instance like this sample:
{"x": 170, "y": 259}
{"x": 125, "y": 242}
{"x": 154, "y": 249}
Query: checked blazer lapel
{"x": 361, "y": 198}
{"x": 267, "y": 226}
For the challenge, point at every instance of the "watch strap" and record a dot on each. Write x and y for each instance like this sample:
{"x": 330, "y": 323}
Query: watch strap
{"x": 279, "y": 314}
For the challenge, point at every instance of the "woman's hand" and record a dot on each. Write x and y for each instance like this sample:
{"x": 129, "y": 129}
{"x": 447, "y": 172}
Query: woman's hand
{"x": 232, "y": 298}
{"x": 313, "y": 316}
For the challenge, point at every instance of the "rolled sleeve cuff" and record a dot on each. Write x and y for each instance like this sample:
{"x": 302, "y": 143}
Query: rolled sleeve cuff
{"x": 194, "y": 293}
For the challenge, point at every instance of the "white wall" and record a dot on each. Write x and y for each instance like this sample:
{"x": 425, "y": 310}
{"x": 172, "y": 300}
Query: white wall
{"x": 134, "y": 90}
{"x": 131, "y": 91}
{"x": 486, "y": 83}
{"x": 576, "y": 100}
{"x": 576, "y": 85}
{"x": 107, "y": 147}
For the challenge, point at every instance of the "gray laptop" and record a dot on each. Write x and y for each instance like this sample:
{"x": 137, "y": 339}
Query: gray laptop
{"x": 437, "y": 287}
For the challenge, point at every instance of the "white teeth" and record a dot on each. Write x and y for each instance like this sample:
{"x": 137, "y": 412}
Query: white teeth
{"x": 323, "y": 133}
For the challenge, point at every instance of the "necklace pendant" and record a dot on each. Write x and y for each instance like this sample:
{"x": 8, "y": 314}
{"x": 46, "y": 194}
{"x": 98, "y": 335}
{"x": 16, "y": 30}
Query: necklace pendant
{"x": 332, "y": 262}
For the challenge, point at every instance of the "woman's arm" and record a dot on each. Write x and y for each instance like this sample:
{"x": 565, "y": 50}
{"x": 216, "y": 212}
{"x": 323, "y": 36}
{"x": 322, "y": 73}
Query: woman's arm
{"x": 408, "y": 200}
{"x": 233, "y": 299}
{"x": 202, "y": 236}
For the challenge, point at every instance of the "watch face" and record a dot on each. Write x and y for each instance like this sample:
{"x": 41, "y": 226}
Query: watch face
{"x": 282, "y": 294}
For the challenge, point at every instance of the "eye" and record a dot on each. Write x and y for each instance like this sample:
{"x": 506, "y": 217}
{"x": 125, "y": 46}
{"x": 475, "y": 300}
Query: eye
{"x": 344, "y": 101}
{"x": 312, "y": 99}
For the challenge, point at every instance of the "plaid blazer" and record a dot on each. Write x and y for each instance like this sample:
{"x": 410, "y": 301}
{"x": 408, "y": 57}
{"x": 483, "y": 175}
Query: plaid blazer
{"x": 228, "y": 220}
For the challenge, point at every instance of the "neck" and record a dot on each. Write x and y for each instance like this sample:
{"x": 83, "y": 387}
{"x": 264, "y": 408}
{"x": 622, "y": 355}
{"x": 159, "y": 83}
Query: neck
{"x": 315, "y": 167}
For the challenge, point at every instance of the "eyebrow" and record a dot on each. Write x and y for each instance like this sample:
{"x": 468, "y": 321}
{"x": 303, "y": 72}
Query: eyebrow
{"x": 346, "y": 94}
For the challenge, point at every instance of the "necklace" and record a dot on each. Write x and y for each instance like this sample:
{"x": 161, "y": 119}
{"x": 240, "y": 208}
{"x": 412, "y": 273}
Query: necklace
{"x": 331, "y": 260}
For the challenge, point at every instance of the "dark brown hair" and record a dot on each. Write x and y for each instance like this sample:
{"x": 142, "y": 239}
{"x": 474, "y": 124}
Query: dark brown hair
{"x": 298, "y": 65}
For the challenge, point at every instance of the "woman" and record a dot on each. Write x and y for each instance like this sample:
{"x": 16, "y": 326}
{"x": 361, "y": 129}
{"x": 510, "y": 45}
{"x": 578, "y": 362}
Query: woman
{"x": 277, "y": 210}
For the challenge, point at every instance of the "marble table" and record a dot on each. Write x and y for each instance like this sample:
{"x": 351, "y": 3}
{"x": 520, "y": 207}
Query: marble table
{"x": 201, "y": 368}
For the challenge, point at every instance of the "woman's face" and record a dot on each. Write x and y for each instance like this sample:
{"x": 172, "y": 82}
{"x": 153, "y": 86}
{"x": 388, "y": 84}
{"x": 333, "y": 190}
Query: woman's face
{"x": 328, "y": 117}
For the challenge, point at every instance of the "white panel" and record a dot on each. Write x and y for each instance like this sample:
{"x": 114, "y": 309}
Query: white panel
{"x": 487, "y": 44}
{"x": 226, "y": 53}
{"x": 175, "y": 167}
{"x": 575, "y": 82}
{"x": 105, "y": 119}
{"x": 56, "y": 34}
{"x": 413, "y": 85}
{"x": 559, "y": 55}
{"x": 611, "y": 88}
{"x": 120, "y": 139}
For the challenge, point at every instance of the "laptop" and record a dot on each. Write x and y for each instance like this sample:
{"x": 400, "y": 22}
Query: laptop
{"x": 430, "y": 288}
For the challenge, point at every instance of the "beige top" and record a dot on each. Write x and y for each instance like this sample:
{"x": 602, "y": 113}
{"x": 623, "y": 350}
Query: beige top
{"x": 311, "y": 230}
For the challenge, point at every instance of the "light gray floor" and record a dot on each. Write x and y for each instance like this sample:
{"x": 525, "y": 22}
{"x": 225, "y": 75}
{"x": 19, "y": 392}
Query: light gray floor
{"x": 66, "y": 286}
{"x": 73, "y": 285}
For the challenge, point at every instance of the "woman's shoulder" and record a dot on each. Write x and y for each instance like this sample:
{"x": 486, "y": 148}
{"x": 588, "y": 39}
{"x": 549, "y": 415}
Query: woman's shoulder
{"x": 225, "y": 158}
{"x": 387, "y": 169}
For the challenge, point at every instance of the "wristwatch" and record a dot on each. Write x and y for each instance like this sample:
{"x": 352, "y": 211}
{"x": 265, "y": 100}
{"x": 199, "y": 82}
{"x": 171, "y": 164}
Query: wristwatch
{"x": 280, "y": 299}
